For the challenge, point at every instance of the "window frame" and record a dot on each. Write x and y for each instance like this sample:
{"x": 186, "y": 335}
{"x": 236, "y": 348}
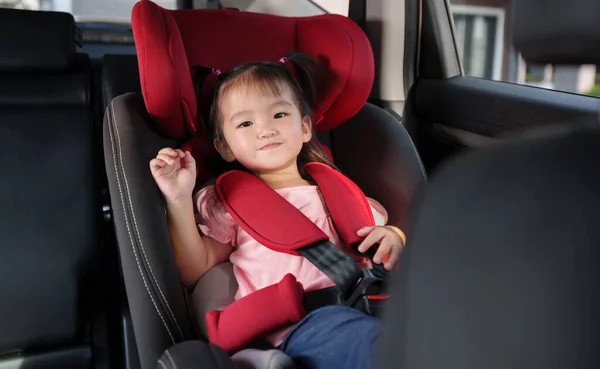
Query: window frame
{"x": 475, "y": 10}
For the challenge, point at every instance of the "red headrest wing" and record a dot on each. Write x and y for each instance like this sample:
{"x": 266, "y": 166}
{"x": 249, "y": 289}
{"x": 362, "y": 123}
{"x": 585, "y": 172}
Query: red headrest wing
{"x": 171, "y": 42}
{"x": 165, "y": 75}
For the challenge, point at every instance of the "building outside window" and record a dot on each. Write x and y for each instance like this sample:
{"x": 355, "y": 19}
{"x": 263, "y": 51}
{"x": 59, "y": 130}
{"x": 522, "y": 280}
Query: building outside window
{"x": 480, "y": 37}
{"x": 484, "y": 41}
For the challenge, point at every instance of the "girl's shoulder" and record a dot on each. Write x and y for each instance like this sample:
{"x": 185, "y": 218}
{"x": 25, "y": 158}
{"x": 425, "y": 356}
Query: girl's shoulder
{"x": 212, "y": 217}
{"x": 207, "y": 197}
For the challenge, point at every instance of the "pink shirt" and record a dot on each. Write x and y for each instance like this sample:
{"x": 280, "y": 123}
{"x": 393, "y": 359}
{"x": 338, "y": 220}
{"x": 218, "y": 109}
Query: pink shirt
{"x": 256, "y": 266}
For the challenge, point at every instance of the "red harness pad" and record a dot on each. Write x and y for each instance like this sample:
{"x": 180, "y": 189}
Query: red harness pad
{"x": 273, "y": 307}
{"x": 264, "y": 214}
{"x": 347, "y": 204}
{"x": 275, "y": 223}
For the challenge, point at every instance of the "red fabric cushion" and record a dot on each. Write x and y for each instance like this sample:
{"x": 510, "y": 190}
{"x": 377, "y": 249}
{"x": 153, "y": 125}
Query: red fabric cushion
{"x": 254, "y": 205}
{"x": 165, "y": 75}
{"x": 171, "y": 42}
{"x": 252, "y": 316}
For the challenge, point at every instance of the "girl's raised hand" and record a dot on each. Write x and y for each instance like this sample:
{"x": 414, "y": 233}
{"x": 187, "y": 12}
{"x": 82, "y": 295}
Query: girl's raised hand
{"x": 175, "y": 174}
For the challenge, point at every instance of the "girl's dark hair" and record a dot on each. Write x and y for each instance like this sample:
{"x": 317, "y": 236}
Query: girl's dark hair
{"x": 273, "y": 78}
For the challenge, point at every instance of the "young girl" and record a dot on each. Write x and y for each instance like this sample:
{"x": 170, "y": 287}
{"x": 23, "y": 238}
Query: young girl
{"x": 261, "y": 119}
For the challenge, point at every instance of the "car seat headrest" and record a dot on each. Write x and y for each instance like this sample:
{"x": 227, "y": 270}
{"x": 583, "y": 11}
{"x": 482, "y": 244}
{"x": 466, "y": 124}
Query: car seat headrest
{"x": 36, "y": 40}
{"x": 172, "y": 43}
{"x": 557, "y": 31}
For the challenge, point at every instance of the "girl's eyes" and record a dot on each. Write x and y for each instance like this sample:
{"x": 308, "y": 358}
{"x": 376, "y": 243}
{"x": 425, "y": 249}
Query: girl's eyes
{"x": 248, "y": 123}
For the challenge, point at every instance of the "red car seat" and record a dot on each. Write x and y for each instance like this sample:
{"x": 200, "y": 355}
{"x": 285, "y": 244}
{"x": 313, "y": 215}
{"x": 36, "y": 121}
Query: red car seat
{"x": 174, "y": 47}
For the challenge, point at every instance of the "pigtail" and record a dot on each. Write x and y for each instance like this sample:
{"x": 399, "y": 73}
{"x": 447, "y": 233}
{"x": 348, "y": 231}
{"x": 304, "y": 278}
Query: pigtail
{"x": 313, "y": 151}
{"x": 307, "y": 73}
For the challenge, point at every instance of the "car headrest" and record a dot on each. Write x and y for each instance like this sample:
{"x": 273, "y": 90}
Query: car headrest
{"x": 557, "y": 31}
{"x": 36, "y": 40}
{"x": 170, "y": 43}
{"x": 501, "y": 266}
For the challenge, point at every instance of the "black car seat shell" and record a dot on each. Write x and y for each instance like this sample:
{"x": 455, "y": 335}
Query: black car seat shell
{"x": 371, "y": 147}
{"x": 501, "y": 270}
{"x": 50, "y": 227}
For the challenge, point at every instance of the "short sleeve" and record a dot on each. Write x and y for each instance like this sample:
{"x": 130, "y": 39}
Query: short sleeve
{"x": 213, "y": 219}
{"x": 379, "y": 212}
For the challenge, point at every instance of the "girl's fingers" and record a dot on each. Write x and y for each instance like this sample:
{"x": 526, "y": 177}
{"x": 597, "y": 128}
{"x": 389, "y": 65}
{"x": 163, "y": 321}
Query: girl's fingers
{"x": 168, "y": 159}
{"x": 384, "y": 248}
{"x": 364, "y": 231}
{"x": 168, "y": 151}
{"x": 395, "y": 253}
{"x": 369, "y": 241}
{"x": 157, "y": 164}
{"x": 188, "y": 159}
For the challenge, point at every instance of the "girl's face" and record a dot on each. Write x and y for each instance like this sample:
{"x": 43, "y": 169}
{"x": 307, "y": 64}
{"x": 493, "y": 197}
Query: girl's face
{"x": 263, "y": 132}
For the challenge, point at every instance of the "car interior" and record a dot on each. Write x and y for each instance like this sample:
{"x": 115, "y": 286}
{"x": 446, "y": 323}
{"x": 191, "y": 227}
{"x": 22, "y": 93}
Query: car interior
{"x": 87, "y": 273}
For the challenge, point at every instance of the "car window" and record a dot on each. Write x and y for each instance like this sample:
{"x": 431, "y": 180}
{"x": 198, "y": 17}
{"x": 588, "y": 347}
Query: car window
{"x": 483, "y": 39}
{"x": 333, "y": 6}
{"x": 288, "y": 7}
{"x": 97, "y": 10}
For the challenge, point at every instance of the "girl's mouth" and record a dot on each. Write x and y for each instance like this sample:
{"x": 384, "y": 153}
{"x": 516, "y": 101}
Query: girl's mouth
{"x": 270, "y": 146}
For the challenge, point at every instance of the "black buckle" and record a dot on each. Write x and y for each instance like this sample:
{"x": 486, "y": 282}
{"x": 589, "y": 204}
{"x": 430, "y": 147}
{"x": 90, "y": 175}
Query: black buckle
{"x": 359, "y": 293}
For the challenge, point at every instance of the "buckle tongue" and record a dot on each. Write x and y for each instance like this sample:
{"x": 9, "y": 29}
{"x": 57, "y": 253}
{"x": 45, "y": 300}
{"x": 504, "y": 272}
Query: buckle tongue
{"x": 359, "y": 294}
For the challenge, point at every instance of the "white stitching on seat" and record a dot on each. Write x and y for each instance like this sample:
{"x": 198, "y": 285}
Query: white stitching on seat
{"x": 162, "y": 364}
{"x": 137, "y": 231}
{"x": 112, "y": 141}
{"x": 171, "y": 359}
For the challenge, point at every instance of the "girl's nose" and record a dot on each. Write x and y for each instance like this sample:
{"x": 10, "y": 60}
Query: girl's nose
{"x": 267, "y": 130}
{"x": 266, "y": 133}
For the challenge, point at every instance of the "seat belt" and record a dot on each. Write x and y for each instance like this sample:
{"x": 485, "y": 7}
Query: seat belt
{"x": 332, "y": 261}
{"x": 277, "y": 224}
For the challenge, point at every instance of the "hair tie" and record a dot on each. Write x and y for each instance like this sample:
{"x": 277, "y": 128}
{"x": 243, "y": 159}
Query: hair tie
{"x": 283, "y": 60}
{"x": 216, "y": 72}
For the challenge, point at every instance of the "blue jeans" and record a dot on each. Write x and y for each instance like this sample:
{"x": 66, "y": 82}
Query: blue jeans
{"x": 333, "y": 337}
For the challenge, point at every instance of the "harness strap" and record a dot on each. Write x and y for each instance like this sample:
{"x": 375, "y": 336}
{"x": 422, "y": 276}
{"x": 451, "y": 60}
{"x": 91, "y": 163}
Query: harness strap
{"x": 334, "y": 263}
{"x": 278, "y": 225}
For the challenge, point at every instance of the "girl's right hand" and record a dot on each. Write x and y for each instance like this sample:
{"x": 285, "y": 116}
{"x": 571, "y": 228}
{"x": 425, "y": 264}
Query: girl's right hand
{"x": 175, "y": 174}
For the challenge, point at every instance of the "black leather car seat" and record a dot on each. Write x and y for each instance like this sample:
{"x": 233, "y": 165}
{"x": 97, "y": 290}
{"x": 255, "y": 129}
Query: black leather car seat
{"x": 501, "y": 269}
{"x": 51, "y": 256}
